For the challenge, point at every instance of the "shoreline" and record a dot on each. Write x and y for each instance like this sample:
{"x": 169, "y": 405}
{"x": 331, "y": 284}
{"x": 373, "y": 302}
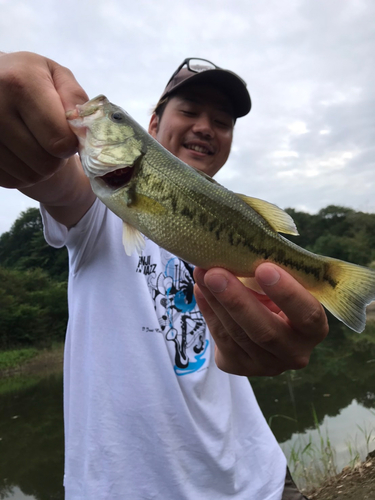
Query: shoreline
{"x": 45, "y": 362}
{"x": 352, "y": 483}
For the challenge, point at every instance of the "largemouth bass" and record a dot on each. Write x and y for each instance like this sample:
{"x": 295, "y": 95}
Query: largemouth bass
{"x": 188, "y": 213}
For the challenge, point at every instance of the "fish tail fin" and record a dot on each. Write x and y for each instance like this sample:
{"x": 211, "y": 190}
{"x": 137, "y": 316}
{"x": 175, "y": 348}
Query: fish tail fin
{"x": 347, "y": 292}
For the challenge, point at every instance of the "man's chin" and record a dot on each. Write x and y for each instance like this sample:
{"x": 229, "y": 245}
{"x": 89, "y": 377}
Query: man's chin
{"x": 198, "y": 163}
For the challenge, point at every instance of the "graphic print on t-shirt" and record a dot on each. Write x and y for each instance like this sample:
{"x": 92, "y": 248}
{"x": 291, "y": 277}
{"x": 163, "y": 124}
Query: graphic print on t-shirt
{"x": 180, "y": 320}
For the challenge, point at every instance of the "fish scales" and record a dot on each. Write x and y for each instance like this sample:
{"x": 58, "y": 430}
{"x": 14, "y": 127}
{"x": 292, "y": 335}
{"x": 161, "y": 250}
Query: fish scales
{"x": 198, "y": 210}
{"x": 197, "y": 219}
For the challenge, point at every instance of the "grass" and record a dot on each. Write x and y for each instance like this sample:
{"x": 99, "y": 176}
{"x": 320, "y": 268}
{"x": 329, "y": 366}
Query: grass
{"x": 16, "y": 357}
{"x": 312, "y": 462}
{"x": 23, "y": 368}
{"x": 32, "y": 360}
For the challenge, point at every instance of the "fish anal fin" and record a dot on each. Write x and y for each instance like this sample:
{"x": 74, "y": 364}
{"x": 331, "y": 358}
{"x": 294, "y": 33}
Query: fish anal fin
{"x": 132, "y": 239}
{"x": 277, "y": 218}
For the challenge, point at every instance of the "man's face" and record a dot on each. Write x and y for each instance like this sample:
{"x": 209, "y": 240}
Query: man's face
{"x": 197, "y": 127}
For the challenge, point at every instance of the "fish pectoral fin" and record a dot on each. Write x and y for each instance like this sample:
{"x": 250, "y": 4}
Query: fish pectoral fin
{"x": 132, "y": 239}
{"x": 277, "y": 218}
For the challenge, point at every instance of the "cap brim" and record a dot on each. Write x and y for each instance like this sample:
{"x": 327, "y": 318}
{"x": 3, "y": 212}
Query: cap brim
{"x": 226, "y": 81}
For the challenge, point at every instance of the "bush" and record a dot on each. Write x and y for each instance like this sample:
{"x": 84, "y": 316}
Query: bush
{"x": 33, "y": 308}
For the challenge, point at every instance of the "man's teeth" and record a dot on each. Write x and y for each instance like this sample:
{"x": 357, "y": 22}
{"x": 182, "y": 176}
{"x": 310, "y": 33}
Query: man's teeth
{"x": 199, "y": 149}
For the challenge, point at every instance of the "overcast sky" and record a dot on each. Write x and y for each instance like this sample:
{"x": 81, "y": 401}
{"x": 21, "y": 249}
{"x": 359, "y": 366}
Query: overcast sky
{"x": 309, "y": 140}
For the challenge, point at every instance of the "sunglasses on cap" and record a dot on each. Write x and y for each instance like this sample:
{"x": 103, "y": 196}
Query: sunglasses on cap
{"x": 198, "y": 65}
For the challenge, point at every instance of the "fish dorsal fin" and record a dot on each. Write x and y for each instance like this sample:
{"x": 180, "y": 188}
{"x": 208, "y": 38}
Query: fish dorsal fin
{"x": 132, "y": 239}
{"x": 279, "y": 220}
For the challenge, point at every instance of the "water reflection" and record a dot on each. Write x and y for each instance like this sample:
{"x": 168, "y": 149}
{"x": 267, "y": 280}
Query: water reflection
{"x": 341, "y": 369}
{"x": 337, "y": 385}
{"x": 31, "y": 432}
{"x": 16, "y": 494}
{"x": 335, "y": 392}
{"x": 348, "y": 434}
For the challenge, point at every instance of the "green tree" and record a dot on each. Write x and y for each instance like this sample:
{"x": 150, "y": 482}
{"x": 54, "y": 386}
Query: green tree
{"x": 33, "y": 308}
{"x": 24, "y": 247}
{"x": 338, "y": 232}
{"x": 344, "y": 248}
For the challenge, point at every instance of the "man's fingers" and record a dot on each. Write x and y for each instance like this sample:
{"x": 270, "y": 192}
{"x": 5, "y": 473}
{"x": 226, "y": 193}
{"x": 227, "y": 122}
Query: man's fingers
{"x": 212, "y": 286}
{"x": 69, "y": 90}
{"x": 37, "y": 98}
{"x": 242, "y": 315}
{"x": 288, "y": 336}
{"x": 231, "y": 355}
{"x": 35, "y": 138}
{"x": 31, "y": 162}
{"x": 304, "y": 312}
{"x": 47, "y": 120}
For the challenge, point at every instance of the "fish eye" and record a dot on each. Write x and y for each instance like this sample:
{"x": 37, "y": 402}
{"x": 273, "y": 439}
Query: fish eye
{"x": 117, "y": 117}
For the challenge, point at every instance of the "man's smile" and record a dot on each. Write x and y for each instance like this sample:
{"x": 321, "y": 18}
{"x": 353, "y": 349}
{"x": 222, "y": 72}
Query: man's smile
{"x": 199, "y": 148}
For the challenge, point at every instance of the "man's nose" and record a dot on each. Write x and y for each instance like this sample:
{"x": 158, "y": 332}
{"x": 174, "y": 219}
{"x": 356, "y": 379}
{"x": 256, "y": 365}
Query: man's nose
{"x": 203, "y": 125}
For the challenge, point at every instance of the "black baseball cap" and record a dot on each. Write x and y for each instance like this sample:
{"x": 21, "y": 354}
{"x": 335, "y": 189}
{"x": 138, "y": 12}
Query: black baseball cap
{"x": 194, "y": 70}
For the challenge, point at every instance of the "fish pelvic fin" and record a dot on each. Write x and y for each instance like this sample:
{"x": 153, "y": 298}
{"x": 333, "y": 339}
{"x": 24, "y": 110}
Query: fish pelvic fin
{"x": 277, "y": 218}
{"x": 252, "y": 284}
{"x": 349, "y": 288}
{"x": 132, "y": 239}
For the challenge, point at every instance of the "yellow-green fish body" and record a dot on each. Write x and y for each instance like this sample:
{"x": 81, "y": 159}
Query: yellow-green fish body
{"x": 197, "y": 219}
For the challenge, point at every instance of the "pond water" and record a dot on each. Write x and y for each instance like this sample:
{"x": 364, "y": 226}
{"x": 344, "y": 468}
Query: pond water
{"x": 331, "y": 401}
{"x": 31, "y": 438}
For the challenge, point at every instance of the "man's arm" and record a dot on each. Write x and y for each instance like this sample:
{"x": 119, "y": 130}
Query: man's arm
{"x": 67, "y": 195}
{"x": 256, "y": 334}
{"x": 37, "y": 147}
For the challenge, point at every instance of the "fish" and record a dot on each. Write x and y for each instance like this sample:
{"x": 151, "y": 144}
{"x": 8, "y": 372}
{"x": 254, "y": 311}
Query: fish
{"x": 188, "y": 213}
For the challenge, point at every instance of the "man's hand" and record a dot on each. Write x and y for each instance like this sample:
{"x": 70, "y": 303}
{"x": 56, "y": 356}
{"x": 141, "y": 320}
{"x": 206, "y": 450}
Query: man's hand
{"x": 37, "y": 145}
{"x": 35, "y": 139}
{"x": 260, "y": 334}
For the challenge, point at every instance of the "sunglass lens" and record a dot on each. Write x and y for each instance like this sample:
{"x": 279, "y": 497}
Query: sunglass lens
{"x": 198, "y": 65}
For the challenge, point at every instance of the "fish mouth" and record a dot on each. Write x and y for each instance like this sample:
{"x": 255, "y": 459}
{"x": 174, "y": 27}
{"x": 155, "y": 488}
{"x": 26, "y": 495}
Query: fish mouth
{"x": 118, "y": 178}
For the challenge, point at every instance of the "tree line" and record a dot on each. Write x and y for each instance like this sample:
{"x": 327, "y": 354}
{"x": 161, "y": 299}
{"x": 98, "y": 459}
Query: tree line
{"x": 33, "y": 285}
{"x": 33, "y": 275}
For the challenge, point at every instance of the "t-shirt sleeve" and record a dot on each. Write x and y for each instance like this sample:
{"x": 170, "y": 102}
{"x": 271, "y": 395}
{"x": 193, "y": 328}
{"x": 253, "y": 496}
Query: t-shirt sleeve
{"x": 81, "y": 239}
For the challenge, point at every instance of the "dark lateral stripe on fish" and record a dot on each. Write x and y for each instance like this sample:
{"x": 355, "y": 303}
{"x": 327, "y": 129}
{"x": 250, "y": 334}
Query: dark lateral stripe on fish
{"x": 327, "y": 277}
{"x": 186, "y": 212}
{"x": 174, "y": 203}
{"x": 279, "y": 256}
{"x": 219, "y": 230}
{"x": 203, "y": 219}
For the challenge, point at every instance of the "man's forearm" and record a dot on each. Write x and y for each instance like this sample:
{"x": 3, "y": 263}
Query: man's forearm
{"x": 67, "y": 195}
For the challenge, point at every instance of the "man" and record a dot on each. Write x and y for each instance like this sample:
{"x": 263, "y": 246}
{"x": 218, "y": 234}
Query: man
{"x": 147, "y": 412}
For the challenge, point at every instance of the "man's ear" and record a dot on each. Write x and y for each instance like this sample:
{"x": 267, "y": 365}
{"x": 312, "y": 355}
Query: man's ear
{"x": 153, "y": 125}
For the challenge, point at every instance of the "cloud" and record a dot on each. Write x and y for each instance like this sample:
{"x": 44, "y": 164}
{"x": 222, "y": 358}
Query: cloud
{"x": 309, "y": 139}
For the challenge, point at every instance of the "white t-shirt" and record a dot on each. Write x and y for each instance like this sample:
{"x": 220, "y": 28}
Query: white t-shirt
{"x": 148, "y": 415}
